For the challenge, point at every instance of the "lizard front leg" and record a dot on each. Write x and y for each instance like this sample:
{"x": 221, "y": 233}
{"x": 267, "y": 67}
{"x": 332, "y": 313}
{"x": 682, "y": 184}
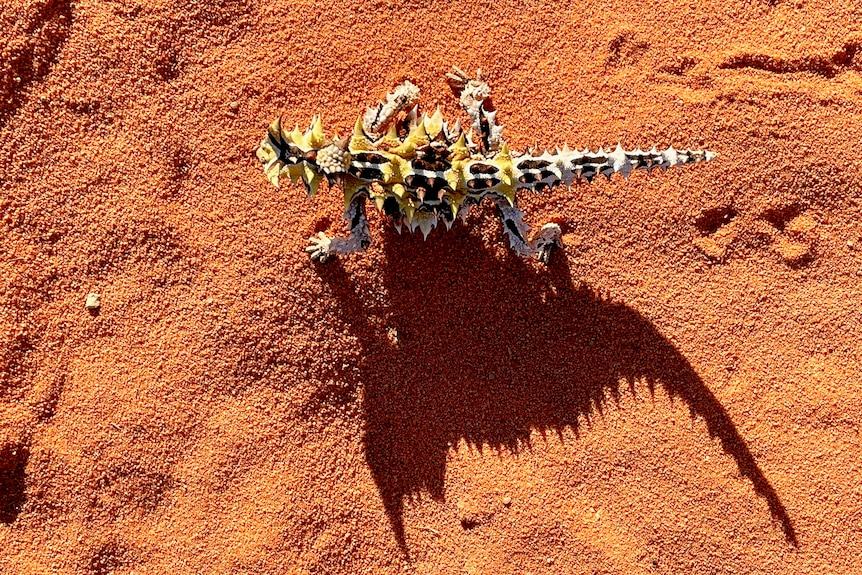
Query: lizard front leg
{"x": 549, "y": 237}
{"x": 473, "y": 95}
{"x": 324, "y": 248}
{"x": 377, "y": 119}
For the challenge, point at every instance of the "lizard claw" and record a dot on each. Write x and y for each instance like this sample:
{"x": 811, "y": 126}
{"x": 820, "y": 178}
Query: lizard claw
{"x": 320, "y": 247}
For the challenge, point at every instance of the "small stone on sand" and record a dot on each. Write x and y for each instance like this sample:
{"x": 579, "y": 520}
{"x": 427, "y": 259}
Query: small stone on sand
{"x": 94, "y": 301}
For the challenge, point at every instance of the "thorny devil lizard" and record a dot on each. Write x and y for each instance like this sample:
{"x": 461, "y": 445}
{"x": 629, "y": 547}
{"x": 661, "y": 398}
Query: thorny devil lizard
{"x": 420, "y": 171}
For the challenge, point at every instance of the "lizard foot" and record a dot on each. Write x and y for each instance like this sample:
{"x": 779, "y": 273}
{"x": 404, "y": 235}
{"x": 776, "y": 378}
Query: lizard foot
{"x": 549, "y": 239}
{"x": 320, "y": 248}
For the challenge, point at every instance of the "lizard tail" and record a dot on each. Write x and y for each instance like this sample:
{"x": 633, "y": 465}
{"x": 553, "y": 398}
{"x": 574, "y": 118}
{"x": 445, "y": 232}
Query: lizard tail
{"x": 538, "y": 173}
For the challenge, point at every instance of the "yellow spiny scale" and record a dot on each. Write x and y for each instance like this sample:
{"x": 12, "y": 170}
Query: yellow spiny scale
{"x": 273, "y": 173}
{"x": 312, "y": 178}
{"x": 390, "y": 139}
{"x": 433, "y": 174}
{"x": 275, "y": 129}
{"x": 433, "y": 123}
{"x": 394, "y": 170}
{"x": 314, "y": 138}
{"x": 359, "y": 142}
{"x": 417, "y": 138}
{"x": 503, "y": 161}
{"x": 292, "y": 172}
{"x": 265, "y": 153}
{"x": 296, "y": 136}
{"x": 377, "y": 191}
{"x": 459, "y": 149}
{"x": 454, "y": 200}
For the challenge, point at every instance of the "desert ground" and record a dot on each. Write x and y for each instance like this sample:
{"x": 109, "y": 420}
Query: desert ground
{"x": 677, "y": 392}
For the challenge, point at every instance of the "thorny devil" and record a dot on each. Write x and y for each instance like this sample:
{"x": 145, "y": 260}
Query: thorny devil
{"x": 420, "y": 171}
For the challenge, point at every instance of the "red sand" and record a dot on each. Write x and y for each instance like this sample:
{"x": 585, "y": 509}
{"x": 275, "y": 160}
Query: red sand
{"x": 677, "y": 393}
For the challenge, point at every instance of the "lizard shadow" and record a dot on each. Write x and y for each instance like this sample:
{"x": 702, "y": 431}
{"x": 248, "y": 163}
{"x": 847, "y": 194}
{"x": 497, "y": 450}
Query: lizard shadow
{"x": 490, "y": 350}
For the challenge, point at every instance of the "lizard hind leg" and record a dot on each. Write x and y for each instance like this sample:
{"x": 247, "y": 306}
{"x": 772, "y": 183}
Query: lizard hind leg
{"x": 542, "y": 246}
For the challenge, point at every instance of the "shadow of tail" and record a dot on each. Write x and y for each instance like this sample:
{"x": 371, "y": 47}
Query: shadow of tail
{"x": 679, "y": 380}
{"x": 493, "y": 383}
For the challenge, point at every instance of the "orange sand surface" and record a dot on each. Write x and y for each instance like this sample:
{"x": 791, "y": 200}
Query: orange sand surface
{"x": 678, "y": 392}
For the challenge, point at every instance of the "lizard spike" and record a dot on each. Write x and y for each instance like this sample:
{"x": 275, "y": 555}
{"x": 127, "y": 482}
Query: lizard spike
{"x": 310, "y": 179}
{"x": 495, "y": 131}
{"x": 409, "y": 211}
{"x": 412, "y": 118}
{"x": 504, "y": 153}
{"x": 671, "y": 157}
{"x": 433, "y": 123}
{"x": 341, "y": 143}
{"x": 296, "y": 136}
{"x": 454, "y": 203}
{"x": 455, "y": 132}
{"x": 620, "y": 161}
{"x": 275, "y": 130}
{"x": 427, "y": 221}
{"x": 457, "y": 79}
{"x": 470, "y": 144}
{"x": 359, "y": 140}
{"x": 390, "y": 139}
{"x": 314, "y": 137}
{"x": 460, "y": 149}
{"x": 273, "y": 173}
{"x": 415, "y": 139}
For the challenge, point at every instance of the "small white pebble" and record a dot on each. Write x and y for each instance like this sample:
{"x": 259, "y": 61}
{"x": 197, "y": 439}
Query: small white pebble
{"x": 392, "y": 334}
{"x": 94, "y": 301}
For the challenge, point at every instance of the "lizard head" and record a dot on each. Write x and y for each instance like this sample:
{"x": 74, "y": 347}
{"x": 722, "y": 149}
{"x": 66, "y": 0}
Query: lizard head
{"x": 302, "y": 156}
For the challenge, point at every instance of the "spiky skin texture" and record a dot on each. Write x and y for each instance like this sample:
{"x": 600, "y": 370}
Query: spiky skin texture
{"x": 420, "y": 171}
